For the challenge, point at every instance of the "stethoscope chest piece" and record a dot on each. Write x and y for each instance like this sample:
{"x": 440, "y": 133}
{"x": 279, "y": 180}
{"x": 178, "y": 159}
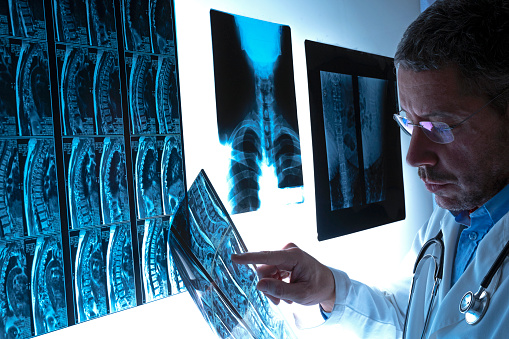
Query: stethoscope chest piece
{"x": 474, "y": 306}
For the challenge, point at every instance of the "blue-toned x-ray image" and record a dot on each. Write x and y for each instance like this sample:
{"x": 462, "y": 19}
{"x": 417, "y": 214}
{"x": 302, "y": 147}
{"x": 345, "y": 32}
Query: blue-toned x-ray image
{"x": 106, "y": 94}
{"x": 48, "y": 286}
{"x": 167, "y": 96}
{"x": 202, "y": 240}
{"x": 161, "y": 27}
{"x": 70, "y": 19}
{"x": 136, "y": 25}
{"x": 83, "y": 186}
{"x": 147, "y": 178}
{"x": 113, "y": 182}
{"x": 160, "y": 277}
{"x": 33, "y": 91}
{"x": 76, "y": 98}
{"x": 101, "y": 23}
{"x": 172, "y": 174}
{"x": 42, "y": 210}
{"x": 11, "y": 195}
{"x": 15, "y": 310}
{"x": 120, "y": 268}
{"x": 8, "y": 108}
{"x": 142, "y": 103}
{"x": 27, "y": 18}
{"x": 89, "y": 249}
{"x": 256, "y": 111}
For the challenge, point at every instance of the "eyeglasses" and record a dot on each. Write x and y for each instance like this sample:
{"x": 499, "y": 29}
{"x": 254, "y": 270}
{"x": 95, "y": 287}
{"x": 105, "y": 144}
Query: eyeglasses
{"x": 437, "y": 131}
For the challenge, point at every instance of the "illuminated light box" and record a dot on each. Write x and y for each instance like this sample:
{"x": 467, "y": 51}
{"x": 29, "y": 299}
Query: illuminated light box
{"x": 256, "y": 112}
{"x": 356, "y": 144}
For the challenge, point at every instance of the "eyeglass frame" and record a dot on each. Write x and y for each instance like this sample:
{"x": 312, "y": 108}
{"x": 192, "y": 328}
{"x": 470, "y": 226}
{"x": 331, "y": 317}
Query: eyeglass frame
{"x": 397, "y": 117}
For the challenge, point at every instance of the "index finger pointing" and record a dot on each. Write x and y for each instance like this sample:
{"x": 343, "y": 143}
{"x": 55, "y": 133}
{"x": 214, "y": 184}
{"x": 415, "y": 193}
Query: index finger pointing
{"x": 277, "y": 258}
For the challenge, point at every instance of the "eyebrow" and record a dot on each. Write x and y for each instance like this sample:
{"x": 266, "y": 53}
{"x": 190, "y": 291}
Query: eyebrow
{"x": 434, "y": 114}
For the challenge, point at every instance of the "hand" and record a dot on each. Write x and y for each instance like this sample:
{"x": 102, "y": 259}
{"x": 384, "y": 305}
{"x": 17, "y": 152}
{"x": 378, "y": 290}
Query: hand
{"x": 309, "y": 281}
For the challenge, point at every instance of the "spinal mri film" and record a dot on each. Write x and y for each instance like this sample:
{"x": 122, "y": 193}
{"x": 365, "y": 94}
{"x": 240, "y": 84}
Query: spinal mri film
{"x": 82, "y": 180}
{"x": 11, "y": 193}
{"x": 27, "y": 18}
{"x": 256, "y": 110}
{"x": 33, "y": 91}
{"x": 15, "y": 302}
{"x": 202, "y": 241}
{"x": 91, "y": 160}
{"x": 113, "y": 182}
{"x": 120, "y": 269}
{"x": 48, "y": 285}
{"x": 41, "y": 201}
{"x": 8, "y": 106}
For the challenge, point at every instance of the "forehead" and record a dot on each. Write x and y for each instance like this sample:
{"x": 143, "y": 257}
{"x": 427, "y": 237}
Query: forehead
{"x": 434, "y": 92}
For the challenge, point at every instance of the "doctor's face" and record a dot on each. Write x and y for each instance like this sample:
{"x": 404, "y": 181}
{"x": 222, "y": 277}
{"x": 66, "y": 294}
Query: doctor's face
{"x": 470, "y": 170}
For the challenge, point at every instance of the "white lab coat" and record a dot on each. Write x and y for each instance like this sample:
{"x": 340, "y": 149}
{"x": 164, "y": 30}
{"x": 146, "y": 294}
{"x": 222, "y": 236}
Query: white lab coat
{"x": 372, "y": 313}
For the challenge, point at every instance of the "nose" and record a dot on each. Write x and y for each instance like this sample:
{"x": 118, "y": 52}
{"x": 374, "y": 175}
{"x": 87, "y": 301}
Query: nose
{"x": 421, "y": 150}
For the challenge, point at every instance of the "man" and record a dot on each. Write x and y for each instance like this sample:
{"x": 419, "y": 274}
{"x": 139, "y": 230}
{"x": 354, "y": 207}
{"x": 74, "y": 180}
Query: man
{"x": 453, "y": 80}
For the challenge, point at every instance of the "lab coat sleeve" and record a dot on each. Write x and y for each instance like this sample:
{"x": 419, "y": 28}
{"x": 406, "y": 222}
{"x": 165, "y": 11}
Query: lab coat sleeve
{"x": 370, "y": 312}
{"x": 367, "y": 311}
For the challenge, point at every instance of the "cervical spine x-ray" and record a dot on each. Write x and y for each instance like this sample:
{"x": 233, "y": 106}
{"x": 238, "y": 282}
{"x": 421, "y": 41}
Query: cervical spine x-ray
{"x": 256, "y": 110}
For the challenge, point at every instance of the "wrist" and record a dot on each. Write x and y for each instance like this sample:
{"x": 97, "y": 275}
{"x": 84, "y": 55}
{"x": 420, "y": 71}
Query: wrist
{"x": 328, "y": 304}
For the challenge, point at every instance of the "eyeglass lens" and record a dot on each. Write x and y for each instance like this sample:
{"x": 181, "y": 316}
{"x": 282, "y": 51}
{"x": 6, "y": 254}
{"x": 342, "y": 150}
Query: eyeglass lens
{"x": 438, "y": 132}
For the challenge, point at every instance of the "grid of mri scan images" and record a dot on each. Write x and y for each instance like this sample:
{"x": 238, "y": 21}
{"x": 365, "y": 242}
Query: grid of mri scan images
{"x": 90, "y": 143}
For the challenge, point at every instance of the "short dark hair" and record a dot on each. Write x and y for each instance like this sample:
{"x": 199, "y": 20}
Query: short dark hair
{"x": 472, "y": 35}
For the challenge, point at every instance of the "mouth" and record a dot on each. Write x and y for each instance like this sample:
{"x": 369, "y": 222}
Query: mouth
{"x": 434, "y": 187}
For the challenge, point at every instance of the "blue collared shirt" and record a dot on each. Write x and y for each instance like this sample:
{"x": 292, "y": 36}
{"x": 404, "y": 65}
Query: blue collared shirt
{"x": 477, "y": 226}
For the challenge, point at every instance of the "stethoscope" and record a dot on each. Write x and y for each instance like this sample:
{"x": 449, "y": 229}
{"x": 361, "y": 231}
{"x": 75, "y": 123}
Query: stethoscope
{"x": 473, "y": 305}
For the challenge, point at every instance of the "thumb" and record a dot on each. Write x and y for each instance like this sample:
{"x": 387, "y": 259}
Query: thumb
{"x": 277, "y": 289}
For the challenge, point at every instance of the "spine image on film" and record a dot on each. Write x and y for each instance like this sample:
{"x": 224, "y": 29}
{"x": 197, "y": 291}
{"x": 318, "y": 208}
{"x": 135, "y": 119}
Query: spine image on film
{"x": 113, "y": 182}
{"x": 372, "y": 98}
{"x": 90, "y": 274}
{"x": 210, "y": 236}
{"x": 101, "y": 23}
{"x": 32, "y": 90}
{"x": 161, "y": 26}
{"x": 48, "y": 286}
{"x": 70, "y": 21}
{"x": 76, "y": 96}
{"x": 11, "y": 195}
{"x": 148, "y": 182}
{"x": 83, "y": 186}
{"x": 141, "y": 95}
{"x": 341, "y": 140}
{"x": 120, "y": 268}
{"x": 256, "y": 113}
{"x": 172, "y": 177}
{"x": 154, "y": 266}
{"x": 4, "y": 18}
{"x": 356, "y": 175}
{"x": 15, "y": 310}
{"x": 42, "y": 211}
{"x": 27, "y": 18}
{"x": 8, "y": 106}
{"x": 136, "y": 25}
{"x": 167, "y": 96}
{"x": 108, "y": 112}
